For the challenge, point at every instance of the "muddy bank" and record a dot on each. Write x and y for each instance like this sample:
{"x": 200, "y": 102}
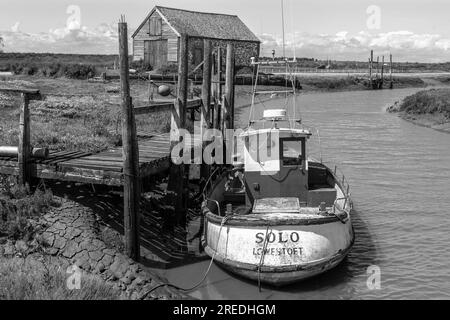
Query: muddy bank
{"x": 70, "y": 235}
{"x": 428, "y": 108}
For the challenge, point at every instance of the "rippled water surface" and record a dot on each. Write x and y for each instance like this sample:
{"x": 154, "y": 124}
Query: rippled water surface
{"x": 400, "y": 184}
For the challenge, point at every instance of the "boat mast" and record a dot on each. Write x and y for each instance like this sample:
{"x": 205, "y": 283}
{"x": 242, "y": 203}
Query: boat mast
{"x": 282, "y": 19}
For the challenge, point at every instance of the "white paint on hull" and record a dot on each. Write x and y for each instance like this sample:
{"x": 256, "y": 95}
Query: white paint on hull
{"x": 292, "y": 252}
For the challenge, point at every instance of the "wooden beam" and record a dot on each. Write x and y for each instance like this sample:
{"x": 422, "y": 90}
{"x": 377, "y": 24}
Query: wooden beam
{"x": 33, "y": 94}
{"x": 178, "y": 122}
{"x": 217, "y": 90}
{"x": 378, "y": 67}
{"x": 205, "y": 111}
{"x": 24, "y": 142}
{"x": 130, "y": 153}
{"x": 228, "y": 105}
{"x": 371, "y": 69}
{"x": 391, "y": 85}
{"x": 169, "y": 106}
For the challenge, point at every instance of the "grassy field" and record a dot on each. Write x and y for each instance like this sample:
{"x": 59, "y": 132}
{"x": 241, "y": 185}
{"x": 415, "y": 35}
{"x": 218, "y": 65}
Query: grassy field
{"x": 86, "y": 116}
{"x": 44, "y": 278}
{"x": 76, "y": 114}
{"x": 56, "y": 65}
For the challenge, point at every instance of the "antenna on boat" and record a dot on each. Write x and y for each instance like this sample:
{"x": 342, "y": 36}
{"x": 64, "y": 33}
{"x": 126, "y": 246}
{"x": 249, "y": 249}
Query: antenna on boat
{"x": 282, "y": 19}
{"x": 288, "y": 75}
{"x": 293, "y": 32}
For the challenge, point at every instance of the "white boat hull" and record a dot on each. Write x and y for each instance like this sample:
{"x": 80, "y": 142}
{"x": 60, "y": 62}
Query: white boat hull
{"x": 294, "y": 251}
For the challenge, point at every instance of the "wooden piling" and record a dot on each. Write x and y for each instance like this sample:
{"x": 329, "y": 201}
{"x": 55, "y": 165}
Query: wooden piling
{"x": 391, "y": 84}
{"x": 378, "y": 67}
{"x": 371, "y": 69}
{"x": 217, "y": 90}
{"x": 24, "y": 141}
{"x": 205, "y": 111}
{"x": 228, "y": 104}
{"x": 178, "y": 122}
{"x": 130, "y": 153}
{"x": 382, "y": 73}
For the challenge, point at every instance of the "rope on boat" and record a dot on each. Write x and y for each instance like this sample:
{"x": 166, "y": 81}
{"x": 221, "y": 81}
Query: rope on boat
{"x": 263, "y": 254}
{"x": 224, "y": 221}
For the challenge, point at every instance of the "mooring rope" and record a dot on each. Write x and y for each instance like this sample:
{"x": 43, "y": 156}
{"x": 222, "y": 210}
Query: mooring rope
{"x": 263, "y": 254}
{"x": 224, "y": 220}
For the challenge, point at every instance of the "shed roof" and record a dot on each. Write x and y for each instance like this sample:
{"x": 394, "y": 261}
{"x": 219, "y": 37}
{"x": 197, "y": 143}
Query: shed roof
{"x": 205, "y": 25}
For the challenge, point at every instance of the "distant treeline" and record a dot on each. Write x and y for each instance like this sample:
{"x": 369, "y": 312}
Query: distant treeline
{"x": 74, "y": 66}
{"x": 311, "y": 63}
{"x": 79, "y": 66}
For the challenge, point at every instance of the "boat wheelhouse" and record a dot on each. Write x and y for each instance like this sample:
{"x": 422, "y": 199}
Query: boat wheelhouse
{"x": 279, "y": 216}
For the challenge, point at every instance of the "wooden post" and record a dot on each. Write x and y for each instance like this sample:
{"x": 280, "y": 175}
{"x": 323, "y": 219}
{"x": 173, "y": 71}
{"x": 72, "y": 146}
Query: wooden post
{"x": 378, "y": 66}
{"x": 382, "y": 73}
{"x": 178, "y": 122}
{"x": 205, "y": 111}
{"x": 228, "y": 105}
{"x": 371, "y": 68}
{"x": 24, "y": 142}
{"x": 391, "y": 85}
{"x": 130, "y": 153}
{"x": 218, "y": 91}
{"x": 190, "y": 89}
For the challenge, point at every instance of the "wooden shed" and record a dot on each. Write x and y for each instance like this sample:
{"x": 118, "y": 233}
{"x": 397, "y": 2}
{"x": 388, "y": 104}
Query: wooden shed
{"x": 156, "y": 40}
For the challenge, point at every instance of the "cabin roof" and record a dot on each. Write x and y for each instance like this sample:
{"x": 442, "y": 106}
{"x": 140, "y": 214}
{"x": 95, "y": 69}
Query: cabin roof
{"x": 204, "y": 24}
{"x": 282, "y": 132}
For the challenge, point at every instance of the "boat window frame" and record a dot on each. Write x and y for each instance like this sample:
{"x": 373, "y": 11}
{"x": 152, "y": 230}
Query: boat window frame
{"x": 302, "y": 140}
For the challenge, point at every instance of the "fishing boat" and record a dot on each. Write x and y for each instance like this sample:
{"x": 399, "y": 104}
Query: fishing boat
{"x": 278, "y": 215}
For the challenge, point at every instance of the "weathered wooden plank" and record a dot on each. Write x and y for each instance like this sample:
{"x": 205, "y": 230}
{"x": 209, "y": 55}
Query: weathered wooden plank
{"x": 99, "y": 164}
{"x": 80, "y": 175}
{"x": 33, "y": 93}
{"x": 24, "y": 139}
{"x": 64, "y": 157}
{"x": 178, "y": 122}
{"x": 130, "y": 153}
{"x": 194, "y": 103}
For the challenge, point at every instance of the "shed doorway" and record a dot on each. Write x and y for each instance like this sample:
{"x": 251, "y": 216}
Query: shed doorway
{"x": 155, "y": 53}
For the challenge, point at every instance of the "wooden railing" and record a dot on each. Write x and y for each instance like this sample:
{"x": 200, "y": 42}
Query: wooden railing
{"x": 24, "y": 150}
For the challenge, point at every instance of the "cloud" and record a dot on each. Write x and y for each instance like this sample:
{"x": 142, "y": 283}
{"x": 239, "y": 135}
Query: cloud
{"x": 404, "y": 45}
{"x": 15, "y": 27}
{"x": 102, "y": 39}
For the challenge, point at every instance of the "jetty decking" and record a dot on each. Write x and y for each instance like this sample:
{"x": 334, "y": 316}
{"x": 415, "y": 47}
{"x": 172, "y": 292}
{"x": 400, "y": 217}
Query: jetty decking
{"x": 104, "y": 168}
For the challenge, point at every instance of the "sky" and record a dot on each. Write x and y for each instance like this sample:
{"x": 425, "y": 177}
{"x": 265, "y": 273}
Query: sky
{"x": 412, "y": 30}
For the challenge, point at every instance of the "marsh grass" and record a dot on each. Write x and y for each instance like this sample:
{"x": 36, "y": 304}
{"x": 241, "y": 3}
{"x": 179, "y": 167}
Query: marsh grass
{"x": 19, "y": 206}
{"x": 44, "y": 278}
{"x": 427, "y": 102}
{"x": 76, "y": 116}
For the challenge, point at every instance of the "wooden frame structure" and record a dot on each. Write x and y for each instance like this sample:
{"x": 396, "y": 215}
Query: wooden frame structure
{"x": 142, "y": 155}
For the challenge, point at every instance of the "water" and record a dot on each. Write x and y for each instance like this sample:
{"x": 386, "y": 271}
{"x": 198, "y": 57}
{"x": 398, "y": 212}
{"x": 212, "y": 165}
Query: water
{"x": 400, "y": 184}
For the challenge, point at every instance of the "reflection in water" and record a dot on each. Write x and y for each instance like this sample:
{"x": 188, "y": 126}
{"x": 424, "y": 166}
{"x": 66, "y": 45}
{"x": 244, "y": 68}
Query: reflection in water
{"x": 399, "y": 175}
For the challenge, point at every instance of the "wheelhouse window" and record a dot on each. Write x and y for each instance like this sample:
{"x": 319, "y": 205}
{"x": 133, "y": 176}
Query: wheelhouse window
{"x": 292, "y": 152}
{"x": 155, "y": 25}
{"x": 260, "y": 147}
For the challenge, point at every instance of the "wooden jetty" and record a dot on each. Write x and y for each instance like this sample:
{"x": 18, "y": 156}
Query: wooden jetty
{"x": 143, "y": 154}
{"x": 377, "y": 81}
{"x": 105, "y": 168}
